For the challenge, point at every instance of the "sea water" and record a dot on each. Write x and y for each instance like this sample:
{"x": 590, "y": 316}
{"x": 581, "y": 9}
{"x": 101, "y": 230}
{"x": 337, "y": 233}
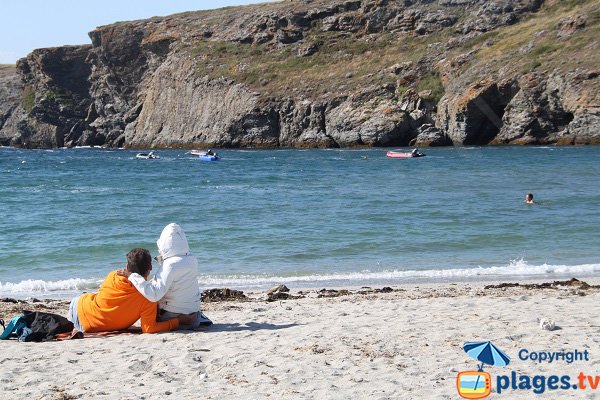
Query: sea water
{"x": 304, "y": 218}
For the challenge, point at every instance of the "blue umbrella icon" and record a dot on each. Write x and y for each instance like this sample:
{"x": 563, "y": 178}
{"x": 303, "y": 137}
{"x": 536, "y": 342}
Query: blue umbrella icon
{"x": 487, "y": 353}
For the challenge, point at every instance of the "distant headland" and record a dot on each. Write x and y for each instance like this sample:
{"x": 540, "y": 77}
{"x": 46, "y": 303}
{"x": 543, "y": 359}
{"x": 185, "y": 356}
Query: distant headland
{"x": 318, "y": 73}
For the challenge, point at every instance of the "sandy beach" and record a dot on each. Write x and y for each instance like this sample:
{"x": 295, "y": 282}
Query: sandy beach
{"x": 364, "y": 343}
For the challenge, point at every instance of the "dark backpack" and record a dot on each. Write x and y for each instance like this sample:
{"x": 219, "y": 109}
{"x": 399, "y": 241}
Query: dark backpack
{"x": 42, "y": 326}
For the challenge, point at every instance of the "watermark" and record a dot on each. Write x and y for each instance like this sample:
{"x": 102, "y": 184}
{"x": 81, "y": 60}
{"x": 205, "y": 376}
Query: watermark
{"x": 554, "y": 356}
{"x": 479, "y": 384}
{"x": 539, "y": 384}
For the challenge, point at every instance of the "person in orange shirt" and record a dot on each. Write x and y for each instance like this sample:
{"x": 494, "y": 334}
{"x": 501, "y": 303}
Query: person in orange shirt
{"x": 118, "y": 304}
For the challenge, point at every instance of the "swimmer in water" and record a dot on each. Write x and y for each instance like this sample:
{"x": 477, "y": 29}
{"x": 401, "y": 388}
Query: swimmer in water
{"x": 529, "y": 198}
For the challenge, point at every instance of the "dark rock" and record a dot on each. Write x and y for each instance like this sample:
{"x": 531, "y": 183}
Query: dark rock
{"x": 280, "y": 296}
{"x": 568, "y": 26}
{"x": 556, "y": 116}
{"x": 310, "y": 49}
{"x": 58, "y": 78}
{"x": 225, "y": 294}
{"x": 281, "y": 292}
{"x": 288, "y": 37}
{"x": 492, "y": 14}
{"x": 397, "y": 69}
{"x": 278, "y": 289}
{"x": 430, "y": 136}
{"x": 9, "y": 300}
{"x": 434, "y": 21}
{"x": 11, "y": 99}
{"x": 332, "y": 293}
{"x": 573, "y": 282}
{"x": 475, "y": 116}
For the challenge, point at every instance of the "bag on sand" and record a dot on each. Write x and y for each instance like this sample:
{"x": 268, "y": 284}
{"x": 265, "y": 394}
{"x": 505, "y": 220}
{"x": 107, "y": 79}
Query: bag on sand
{"x": 36, "y": 326}
{"x": 16, "y": 324}
{"x": 44, "y": 326}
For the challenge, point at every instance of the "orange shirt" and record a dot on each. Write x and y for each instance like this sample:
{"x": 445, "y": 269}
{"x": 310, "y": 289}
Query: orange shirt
{"x": 116, "y": 306}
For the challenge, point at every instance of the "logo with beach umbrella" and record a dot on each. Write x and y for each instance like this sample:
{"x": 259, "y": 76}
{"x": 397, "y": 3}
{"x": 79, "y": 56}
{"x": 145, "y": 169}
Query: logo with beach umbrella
{"x": 478, "y": 384}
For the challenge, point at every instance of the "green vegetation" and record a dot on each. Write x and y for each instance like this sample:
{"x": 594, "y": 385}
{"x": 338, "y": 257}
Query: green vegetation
{"x": 338, "y": 62}
{"x": 400, "y": 90}
{"x": 545, "y": 49}
{"x": 530, "y": 67}
{"x": 57, "y": 94}
{"x": 553, "y": 5}
{"x": 331, "y": 63}
{"x": 481, "y": 39}
{"x": 28, "y": 98}
{"x": 432, "y": 82}
{"x": 537, "y": 43}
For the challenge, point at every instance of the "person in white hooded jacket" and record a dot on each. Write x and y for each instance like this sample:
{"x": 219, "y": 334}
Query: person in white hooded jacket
{"x": 175, "y": 285}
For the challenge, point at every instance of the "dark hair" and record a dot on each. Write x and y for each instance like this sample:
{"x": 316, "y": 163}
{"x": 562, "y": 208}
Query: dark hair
{"x": 529, "y": 195}
{"x": 139, "y": 261}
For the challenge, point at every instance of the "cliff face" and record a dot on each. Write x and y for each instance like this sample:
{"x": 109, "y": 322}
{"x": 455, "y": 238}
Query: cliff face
{"x": 10, "y": 100}
{"x": 321, "y": 73}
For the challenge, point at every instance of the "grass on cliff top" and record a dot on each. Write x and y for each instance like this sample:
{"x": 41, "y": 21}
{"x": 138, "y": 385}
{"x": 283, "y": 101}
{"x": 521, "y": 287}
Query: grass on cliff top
{"x": 534, "y": 44}
{"x": 7, "y": 69}
{"x": 343, "y": 63}
{"x": 340, "y": 63}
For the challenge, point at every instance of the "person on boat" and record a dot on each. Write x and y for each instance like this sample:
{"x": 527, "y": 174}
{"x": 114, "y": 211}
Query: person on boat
{"x": 416, "y": 153}
{"x": 529, "y": 198}
{"x": 175, "y": 285}
{"x": 210, "y": 153}
{"x": 118, "y": 304}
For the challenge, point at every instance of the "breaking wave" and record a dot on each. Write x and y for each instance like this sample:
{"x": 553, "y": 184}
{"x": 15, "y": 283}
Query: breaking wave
{"x": 517, "y": 269}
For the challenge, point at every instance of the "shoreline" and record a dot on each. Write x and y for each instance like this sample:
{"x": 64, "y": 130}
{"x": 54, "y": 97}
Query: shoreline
{"x": 301, "y": 285}
{"x": 500, "y": 287}
{"x": 399, "y": 343}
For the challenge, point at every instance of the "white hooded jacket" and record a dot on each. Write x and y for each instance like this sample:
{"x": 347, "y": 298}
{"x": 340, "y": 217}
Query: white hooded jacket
{"x": 175, "y": 284}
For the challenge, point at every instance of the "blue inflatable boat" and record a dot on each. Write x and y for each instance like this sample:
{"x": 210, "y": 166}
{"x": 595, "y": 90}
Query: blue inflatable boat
{"x": 207, "y": 157}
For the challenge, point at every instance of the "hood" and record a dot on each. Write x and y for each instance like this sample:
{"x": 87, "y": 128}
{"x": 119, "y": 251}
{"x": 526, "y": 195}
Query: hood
{"x": 172, "y": 242}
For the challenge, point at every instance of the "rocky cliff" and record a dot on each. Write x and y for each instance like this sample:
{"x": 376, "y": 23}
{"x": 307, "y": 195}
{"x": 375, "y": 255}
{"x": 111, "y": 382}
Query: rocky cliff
{"x": 320, "y": 73}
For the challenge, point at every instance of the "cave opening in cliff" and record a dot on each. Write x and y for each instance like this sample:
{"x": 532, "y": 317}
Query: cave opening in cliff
{"x": 486, "y": 117}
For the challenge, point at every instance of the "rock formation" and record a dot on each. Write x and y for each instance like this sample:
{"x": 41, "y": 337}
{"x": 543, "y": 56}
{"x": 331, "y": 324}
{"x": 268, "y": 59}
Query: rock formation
{"x": 318, "y": 73}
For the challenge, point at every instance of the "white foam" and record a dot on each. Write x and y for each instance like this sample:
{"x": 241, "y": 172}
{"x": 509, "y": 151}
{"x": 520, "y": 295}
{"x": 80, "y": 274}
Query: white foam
{"x": 516, "y": 268}
{"x": 38, "y": 286}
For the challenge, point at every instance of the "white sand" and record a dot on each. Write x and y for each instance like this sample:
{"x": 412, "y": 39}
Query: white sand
{"x": 401, "y": 345}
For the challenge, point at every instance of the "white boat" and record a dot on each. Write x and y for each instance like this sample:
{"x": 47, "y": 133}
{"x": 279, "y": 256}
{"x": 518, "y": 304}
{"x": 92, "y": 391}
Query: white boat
{"x": 147, "y": 156}
{"x": 204, "y": 153}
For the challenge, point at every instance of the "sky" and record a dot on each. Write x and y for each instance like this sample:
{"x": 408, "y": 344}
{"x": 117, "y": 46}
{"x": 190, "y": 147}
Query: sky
{"x": 26, "y": 25}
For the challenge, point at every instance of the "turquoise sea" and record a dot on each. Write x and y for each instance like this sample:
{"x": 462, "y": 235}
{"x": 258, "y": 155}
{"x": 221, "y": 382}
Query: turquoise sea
{"x": 305, "y": 218}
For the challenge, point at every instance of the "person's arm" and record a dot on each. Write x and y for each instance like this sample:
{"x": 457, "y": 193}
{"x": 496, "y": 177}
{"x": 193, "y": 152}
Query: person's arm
{"x": 156, "y": 288}
{"x": 151, "y": 325}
